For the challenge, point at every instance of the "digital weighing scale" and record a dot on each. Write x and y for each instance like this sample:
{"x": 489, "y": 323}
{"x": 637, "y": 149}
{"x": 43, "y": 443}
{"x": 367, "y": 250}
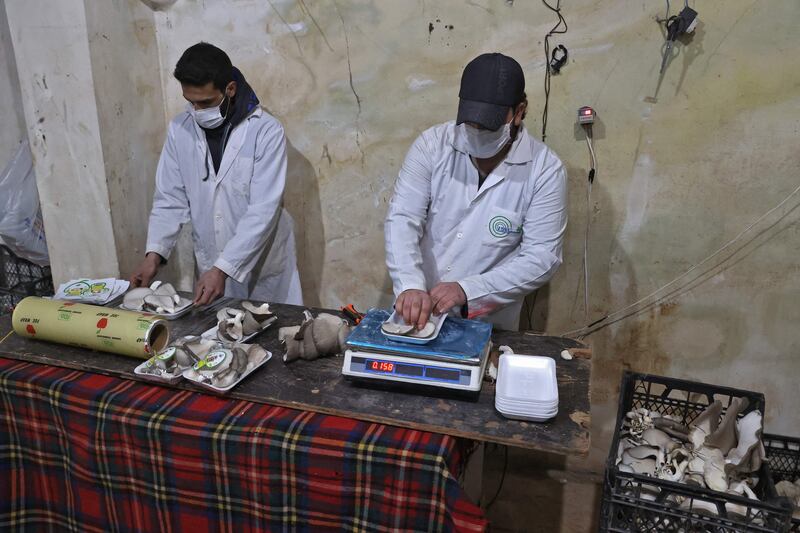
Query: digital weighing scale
{"x": 455, "y": 359}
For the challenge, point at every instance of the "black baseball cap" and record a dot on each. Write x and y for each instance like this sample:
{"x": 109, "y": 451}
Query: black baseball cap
{"x": 490, "y": 84}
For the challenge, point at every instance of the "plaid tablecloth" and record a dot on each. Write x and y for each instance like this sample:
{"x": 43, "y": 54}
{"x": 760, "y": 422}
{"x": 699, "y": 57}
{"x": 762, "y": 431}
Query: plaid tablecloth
{"x": 85, "y": 452}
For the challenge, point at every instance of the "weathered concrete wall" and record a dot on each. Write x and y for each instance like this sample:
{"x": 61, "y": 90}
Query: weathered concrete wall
{"x": 130, "y": 108}
{"x": 681, "y": 170}
{"x": 12, "y": 131}
{"x": 58, "y": 94}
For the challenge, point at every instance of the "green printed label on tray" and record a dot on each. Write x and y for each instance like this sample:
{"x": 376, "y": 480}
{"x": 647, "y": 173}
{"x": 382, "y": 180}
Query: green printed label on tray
{"x": 167, "y": 354}
{"x": 212, "y": 360}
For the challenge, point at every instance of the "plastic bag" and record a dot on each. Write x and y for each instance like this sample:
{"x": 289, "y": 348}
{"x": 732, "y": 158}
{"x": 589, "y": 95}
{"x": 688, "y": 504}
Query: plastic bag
{"x": 21, "y": 226}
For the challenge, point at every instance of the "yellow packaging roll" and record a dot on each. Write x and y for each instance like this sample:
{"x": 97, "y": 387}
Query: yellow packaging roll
{"x": 91, "y": 326}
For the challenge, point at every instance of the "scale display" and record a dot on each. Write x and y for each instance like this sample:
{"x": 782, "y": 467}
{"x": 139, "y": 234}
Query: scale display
{"x": 405, "y": 369}
{"x": 411, "y": 370}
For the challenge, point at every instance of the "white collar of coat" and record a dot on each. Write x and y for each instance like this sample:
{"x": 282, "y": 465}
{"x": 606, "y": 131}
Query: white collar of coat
{"x": 521, "y": 150}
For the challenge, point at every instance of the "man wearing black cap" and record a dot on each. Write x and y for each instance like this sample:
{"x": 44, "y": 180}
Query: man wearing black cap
{"x": 479, "y": 209}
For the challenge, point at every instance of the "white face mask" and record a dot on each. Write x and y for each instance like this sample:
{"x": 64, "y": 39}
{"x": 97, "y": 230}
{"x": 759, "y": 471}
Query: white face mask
{"x": 211, "y": 117}
{"x": 481, "y": 144}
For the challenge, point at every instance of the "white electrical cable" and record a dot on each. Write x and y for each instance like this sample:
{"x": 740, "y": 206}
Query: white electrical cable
{"x": 588, "y": 223}
{"x": 610, "y": 318}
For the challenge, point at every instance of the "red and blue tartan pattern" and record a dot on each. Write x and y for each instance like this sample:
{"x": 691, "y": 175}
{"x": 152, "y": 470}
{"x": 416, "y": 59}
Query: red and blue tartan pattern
{"x": 85, "y": 452}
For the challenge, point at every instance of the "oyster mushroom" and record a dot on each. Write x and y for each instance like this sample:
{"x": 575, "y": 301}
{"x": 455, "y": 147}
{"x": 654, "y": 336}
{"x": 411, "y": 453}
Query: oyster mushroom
{"x": 789, "y": 490}
{"x": 159, "y": 303}
{"x": 166, "y": 289}
{"x": 315, "y": 337}
{"x": 260, "y": 313}
{"x": 656, "y": 437}
{"x": 638, "y": 421}
{"x": 134, "y": 298}
{"x": 673, "y": 470}
{"x": 672, "y": 427}
{"x": 747, "y": 455}
{"x": 645, "y": 466}
{"x": 724, "y": 437}
{"x": 393, "y": 328}
{"x": 230, "y": 327}
{"x": 197, "y": 347}
{"x": 643, "y": 459}
{"x": 714, "y": 473}
{"x": 705, "y": 424}
{"x": 426, "y": 331}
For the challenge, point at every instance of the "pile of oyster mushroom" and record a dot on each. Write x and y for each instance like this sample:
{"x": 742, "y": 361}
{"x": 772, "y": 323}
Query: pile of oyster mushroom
{"x": 236, "y": 324}
{"x": 790, "y": 490}
{"x": 315, "y": 337}
{"x": 720, "y": 454}
{"x": 225, "y": 365}
{"x": 158, "y": 298}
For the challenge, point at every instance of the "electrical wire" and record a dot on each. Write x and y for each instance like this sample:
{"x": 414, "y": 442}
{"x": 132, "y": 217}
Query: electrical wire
{"x": 592, "y": 173}
{"x": 553, "y": 31}
{"x": 502, "y": 479}
{"x": 620, "y": 314}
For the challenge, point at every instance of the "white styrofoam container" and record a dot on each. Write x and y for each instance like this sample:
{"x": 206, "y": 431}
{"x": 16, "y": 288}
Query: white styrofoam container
{"x": 527, "y": 388}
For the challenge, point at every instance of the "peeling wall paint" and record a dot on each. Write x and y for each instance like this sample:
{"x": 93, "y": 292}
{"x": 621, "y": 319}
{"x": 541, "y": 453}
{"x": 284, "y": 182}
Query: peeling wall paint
{"x": 125, "y": 65}
{"x": 58, "y": 96}
{"x": 12, "y": 131}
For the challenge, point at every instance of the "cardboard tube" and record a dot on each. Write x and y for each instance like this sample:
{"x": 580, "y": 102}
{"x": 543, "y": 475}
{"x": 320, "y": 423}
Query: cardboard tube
{"x": 91, "y": 326}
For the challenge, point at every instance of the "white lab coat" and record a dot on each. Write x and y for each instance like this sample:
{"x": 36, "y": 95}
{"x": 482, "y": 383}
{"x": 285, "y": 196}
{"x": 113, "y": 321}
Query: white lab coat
{"x": 499, "y": 243}
{"x": 238, "y": 221}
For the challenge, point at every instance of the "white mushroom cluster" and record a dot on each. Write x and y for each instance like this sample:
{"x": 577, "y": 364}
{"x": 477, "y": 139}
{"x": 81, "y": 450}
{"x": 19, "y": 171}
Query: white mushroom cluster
{"x": 224, "y": 366}
{"x": 236, "y": 324}
{"x": 790, "y": 490}
{"x": 715, "y": 451}
{"x": 159, "y": 298}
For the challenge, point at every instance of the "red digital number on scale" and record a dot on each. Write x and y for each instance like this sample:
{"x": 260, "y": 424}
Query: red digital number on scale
{"x": 381, "y": 366}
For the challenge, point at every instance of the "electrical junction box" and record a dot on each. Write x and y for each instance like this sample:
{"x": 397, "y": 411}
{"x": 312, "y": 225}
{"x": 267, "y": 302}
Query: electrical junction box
{"x": 586, "y": 115}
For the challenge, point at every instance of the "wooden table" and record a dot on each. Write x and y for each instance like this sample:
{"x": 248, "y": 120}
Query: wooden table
{"x": 319, "y": 386}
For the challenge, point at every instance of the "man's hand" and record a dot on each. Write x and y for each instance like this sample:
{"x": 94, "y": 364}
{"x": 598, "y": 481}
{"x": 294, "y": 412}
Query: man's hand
{"x": 415, "y": 306}
{"x": 146, "y": 271}
{"x": 446, "y": 296}
{"x": 210, "y": 286}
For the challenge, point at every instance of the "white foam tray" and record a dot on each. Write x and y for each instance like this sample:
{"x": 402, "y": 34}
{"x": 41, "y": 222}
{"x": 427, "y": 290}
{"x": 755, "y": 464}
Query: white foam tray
{"x": 169, "y": 316}
{"x": 158, "y": 379}
{"x": 438, "y": 320}
{"x": 211, "y": 387}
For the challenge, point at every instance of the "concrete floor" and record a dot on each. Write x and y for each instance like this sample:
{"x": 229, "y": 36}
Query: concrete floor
{"x": 539, "y": 493}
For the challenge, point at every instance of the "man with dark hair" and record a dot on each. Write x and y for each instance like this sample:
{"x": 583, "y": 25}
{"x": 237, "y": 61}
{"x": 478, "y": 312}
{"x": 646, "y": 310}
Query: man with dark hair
{"x": 479, "y": 213}
{"x": 223, "y": 168}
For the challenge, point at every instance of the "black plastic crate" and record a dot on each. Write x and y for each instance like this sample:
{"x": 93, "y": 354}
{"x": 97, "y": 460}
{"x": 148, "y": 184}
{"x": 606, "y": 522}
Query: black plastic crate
{"x": 633, "y": 502}
{"x": 20, "y": 278}
{"x": 783, "y": 455}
